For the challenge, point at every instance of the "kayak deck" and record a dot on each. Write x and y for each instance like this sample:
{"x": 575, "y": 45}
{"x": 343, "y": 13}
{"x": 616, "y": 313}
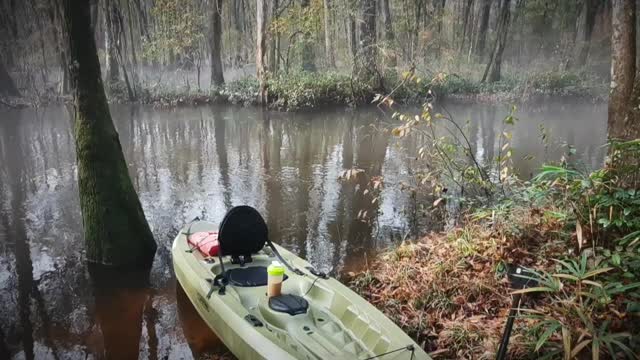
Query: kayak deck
{"x": 338, "y": 324}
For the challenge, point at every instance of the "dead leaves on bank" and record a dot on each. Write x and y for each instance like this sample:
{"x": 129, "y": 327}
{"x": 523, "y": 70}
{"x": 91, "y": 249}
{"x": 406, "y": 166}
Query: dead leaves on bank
{"x": 446, "y": 290}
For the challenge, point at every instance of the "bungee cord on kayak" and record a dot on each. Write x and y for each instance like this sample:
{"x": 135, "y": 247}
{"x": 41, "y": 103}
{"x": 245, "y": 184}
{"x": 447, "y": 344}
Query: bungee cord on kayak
{"x": 405, "y": 348}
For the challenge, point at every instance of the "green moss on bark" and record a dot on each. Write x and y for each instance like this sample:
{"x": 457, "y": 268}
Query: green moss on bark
{"x": 115, "y": 228}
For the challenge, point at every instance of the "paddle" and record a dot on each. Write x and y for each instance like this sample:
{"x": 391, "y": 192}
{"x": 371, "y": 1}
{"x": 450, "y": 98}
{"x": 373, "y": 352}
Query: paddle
{"x": 519, "y": 278}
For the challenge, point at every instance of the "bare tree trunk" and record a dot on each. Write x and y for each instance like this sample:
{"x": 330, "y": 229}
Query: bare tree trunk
{"x": 584, "y": 29}
{"x": 493, "y": 71}
{"x": 368, "y": 33}
{"x": 217, "y": 76}
{"x": 144, "y": 24}
{"x": 261, "y": 32}
{"x": 389, "y": 35}
{"x": 53, "y": 12}
{"x": 274, "y": 59}
{"x": 45, "y": 67}
{"x": 307, "y": 45}
{"x": 414, "y": 35}
{"x": 118, "y": 27}
{"x": 485, "y": 12}
{"x": 110, "y": 38}
{"x": 7, "y": 85}
{"x": 466, "y": 12}
{"x": 115, "y": 229}
{"x": 328, "y": 44}
{"x": 353, "y": 45}
{"x": 134, "y": 57}
{"x": 623, "y": 123}
{"x": 438, "y": 6}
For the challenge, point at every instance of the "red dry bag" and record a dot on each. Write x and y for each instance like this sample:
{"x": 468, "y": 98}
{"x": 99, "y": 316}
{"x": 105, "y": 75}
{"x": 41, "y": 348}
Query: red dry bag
{"x": 206, "y": 242}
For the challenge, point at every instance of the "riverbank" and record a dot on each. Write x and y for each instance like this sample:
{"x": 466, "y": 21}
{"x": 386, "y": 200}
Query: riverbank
{"x": 576, "y": 231}
{"x": 306, "y": 91}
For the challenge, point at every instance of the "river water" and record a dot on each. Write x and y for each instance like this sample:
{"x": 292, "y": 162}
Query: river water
{"x": 201, "y": 161}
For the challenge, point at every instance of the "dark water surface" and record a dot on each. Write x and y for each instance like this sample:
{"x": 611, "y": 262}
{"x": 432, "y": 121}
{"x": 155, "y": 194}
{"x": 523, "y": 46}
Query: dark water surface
{"x": 199, "y": 162}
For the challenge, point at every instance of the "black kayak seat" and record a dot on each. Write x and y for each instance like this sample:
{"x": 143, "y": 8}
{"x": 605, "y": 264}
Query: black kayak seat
{"x": 248, "y": 277}
{"x": 242, "y": 232}
{"x": 290, "y": 304}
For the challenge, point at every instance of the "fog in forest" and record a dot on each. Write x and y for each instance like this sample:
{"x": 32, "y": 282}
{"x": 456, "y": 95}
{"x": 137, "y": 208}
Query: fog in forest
{"x": 448, "y": 112}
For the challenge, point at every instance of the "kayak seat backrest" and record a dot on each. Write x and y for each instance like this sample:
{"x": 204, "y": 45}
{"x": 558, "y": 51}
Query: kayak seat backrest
{"x": 242, "y": 232}
{"x": 248, "y": 277}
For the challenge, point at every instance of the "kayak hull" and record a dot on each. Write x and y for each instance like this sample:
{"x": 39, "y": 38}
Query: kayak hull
{"x": 338, "y": 324}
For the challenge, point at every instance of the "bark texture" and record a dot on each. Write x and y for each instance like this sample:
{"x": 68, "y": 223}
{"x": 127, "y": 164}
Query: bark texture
{"x": 623, "y": 121}
{"x": 389, "y": 35}
{"x": 328, "y": 43}
{"x": 111, "y": 36}
{"x": 368, "y": 33}
{"x": 274, "y": 50}
{"x": 261, "y": 38}
{"x": 7, "y": 85}
{"x": 115, "y": 229}
{"x": 217, "y": 76}
{"x": 584, "y": 29}
{"x": 307, "y": 46}
{"x": 466, "y": 22}
{"x": 485, "y": 12}
{"x": 353, "y": 36}
{"x": 493, "y": 70}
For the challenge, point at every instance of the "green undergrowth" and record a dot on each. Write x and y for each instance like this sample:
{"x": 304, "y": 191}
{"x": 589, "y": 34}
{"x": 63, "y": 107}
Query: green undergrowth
{"x": 304, "y": 91}
{"x": 579, "y": 235}
{"x": 519, "y": 88}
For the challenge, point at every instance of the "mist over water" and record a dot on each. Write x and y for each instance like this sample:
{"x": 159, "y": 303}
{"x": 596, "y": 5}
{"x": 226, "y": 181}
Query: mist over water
{"x": 192, "y": 162}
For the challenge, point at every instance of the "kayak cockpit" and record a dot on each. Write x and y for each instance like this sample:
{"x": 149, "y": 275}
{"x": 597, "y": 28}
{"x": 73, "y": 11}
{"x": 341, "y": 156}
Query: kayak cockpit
{"x": 315, "y": 317}
{"x": 295, "y": 317}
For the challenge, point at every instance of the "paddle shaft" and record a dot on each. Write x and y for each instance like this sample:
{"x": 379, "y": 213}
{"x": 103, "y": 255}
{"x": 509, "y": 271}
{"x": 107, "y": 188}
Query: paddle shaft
{"x": 502, "y": 352}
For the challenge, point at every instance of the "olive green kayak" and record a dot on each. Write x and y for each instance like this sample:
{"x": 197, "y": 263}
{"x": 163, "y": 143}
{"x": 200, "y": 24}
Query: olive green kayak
{"x": 316, "y": 317}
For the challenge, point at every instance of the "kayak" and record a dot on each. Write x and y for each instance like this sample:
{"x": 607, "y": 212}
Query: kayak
{"x": 315, "y": 317}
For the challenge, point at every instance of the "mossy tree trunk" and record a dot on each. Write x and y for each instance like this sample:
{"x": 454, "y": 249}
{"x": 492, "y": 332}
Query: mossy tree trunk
{"x": 217, "y": 77}
{"x": 115, "y": 229}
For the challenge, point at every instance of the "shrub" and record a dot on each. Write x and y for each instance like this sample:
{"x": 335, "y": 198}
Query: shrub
{"x": 305, "y": 90}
